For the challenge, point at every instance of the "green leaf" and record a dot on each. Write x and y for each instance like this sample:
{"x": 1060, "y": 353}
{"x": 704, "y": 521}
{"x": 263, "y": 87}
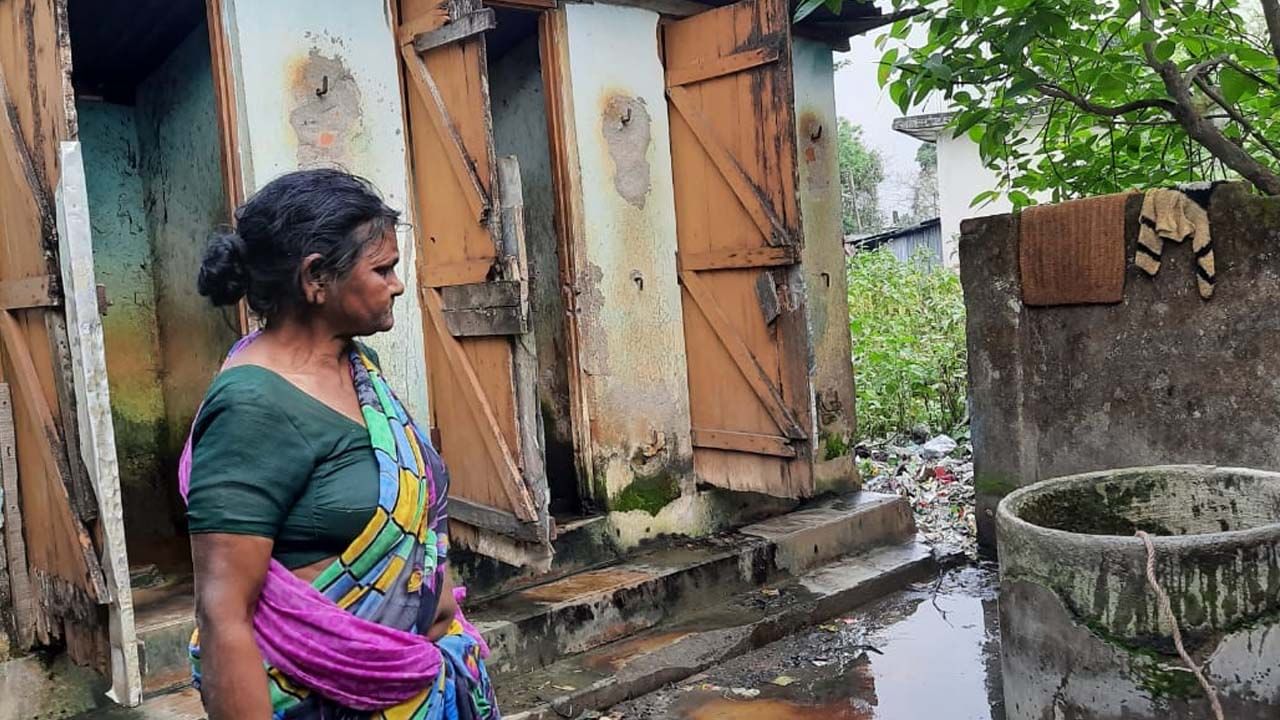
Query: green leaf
{"x": 898, "y": 93}
{"x": 1165, "y": 50}
{"x": 1252, "y": 56}
{"x": 1236, "y": 86}
{"x": 886, "y": 65}
{"x": 805, "y": 8}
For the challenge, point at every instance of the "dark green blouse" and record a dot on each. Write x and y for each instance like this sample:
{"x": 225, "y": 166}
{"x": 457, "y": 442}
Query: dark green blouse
{"x": 270, "y": 460}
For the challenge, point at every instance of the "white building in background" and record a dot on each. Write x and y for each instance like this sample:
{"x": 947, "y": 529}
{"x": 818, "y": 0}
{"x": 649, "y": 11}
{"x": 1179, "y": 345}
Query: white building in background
{"x": 961, "y": 177}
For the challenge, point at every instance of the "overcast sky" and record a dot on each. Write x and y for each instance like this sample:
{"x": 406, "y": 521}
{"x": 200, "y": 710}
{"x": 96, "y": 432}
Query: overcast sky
{"x": 859, "y": 98}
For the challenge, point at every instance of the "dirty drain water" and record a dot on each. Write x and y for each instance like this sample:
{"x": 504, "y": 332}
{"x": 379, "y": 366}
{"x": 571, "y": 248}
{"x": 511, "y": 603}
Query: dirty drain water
{"x": 928, "y": 652}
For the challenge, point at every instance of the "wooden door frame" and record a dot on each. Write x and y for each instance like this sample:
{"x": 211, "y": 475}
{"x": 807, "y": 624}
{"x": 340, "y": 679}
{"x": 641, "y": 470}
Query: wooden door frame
{"x": 224, "y": 93}
{"x": 569, "y": 220}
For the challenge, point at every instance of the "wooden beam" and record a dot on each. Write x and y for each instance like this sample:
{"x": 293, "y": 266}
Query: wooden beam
{"x": 90, "y": 422}
{"x": 464, "y": 27}
{"x": 751, "y": 197}
{"x": 425, "y": 22}
{"x": 463, "y": 165}
{"x": 524, "y": 352}
{"x": 486, "y": 322}
{"x": 32, "y": 292}
{"x": 467, "y": 272}
{"x": 723, "y": 65}
{"x": 738, "y": 259}
{"x": 22, "y": 594}
{"x": 742, "y": 356}
{"x": 473, "y": 296}
{"x": 753, "y": 443}
{"x": 52, "y": 449}
{"x": 494, "y": 520}
{"x": 491, "y": 437}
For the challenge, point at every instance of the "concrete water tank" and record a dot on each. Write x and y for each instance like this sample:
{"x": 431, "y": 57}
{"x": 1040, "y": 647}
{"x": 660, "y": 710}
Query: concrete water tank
{"x": 1082, "y": 637}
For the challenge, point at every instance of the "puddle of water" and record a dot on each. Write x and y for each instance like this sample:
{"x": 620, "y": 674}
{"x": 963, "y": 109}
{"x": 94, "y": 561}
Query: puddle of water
{"x": 939, "y": 658}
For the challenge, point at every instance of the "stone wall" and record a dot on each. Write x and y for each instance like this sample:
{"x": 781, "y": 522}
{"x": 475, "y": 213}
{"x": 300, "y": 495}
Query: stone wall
{"x": 1163, "y": 377}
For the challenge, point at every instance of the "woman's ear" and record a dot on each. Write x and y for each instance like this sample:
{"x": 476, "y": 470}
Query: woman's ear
{"x": 314, "y": 282}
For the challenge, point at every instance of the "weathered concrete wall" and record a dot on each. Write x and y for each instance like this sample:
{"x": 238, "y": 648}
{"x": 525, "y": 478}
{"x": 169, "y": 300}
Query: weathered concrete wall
{"x": 826, "y": 280}
{"x": 123, "y": 265}
{"x": 629, "y": 305}
{"x": 183, "y": 193}
{"x": 1164, "y": 377}
{"x": 281, "y": 54}
{"x": 520, "y": 129}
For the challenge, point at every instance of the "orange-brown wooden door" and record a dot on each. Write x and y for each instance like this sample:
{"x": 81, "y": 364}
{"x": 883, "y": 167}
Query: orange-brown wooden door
{"x": 472, "y": 274}
{"x": 733, "y": 147}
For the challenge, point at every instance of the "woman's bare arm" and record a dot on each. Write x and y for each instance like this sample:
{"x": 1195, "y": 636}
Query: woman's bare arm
{"x": 230, "y": 571}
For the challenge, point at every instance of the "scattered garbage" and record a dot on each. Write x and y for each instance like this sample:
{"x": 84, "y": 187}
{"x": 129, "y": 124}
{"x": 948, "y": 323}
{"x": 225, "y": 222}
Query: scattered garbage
{"x": 938, "y": 447}
{"x": 936, "y": 477}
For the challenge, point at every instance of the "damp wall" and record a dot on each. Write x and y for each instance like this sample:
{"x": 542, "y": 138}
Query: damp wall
{"x": 1163, "y": 377}
{"x": 826, "y": 279}
{"x": 288, "y": 117}
{"x": 519, "y": 107}
{"x": 184, "y": 195}
{"x": 632, "y": 349}
{"x": 123, "y": 266}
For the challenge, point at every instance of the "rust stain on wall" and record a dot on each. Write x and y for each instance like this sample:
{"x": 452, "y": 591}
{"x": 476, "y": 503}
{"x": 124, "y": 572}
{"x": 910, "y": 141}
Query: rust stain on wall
{"x": 326, "y": 109}
{"x": 625, "y": 123}
{"x": 816, "y": 143}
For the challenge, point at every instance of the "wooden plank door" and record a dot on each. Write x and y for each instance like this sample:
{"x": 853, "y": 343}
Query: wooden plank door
{"x": 729, "y": 92}
{"x": 473, "y": 280}
{"x": 71, "y": 569}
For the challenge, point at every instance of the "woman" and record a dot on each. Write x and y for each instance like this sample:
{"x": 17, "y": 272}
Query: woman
{"x": 316, "y": 506}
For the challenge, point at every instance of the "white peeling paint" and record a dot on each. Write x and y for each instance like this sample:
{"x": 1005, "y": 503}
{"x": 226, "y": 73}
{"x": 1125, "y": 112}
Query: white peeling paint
{"x": 631, "y": 327}
{"x": 93, "y": 415}
{"x": 270, "y": 44}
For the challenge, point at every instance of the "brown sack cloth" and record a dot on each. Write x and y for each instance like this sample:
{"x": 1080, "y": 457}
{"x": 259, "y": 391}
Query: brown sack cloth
{"x": 1073, "y": 253}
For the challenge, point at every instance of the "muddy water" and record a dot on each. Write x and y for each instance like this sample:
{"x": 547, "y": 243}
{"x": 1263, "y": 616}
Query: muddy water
{"x": 919, "y": 654}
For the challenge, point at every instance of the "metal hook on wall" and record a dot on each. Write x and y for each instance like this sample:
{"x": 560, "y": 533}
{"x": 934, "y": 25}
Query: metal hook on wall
{"x": 324, "y": 86}
{"x": 816, "y": 135}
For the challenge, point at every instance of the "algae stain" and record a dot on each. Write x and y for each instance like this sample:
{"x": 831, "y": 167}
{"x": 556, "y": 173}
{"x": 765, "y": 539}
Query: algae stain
{"x": 650, "y": 494}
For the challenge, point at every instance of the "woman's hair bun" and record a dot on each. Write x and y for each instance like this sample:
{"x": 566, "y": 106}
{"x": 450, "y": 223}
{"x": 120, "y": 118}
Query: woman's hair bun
{"x": 224, "y": 276}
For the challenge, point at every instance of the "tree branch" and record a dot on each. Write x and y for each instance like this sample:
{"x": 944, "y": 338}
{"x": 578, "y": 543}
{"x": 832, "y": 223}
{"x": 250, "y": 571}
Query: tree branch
{"x": 1271, "y": 11}
{"x": 1237, "y": 116}
{"x": 1111, "y": 111}
{"x": 1199, "y": 128}
{"x": 1194, "y": 72}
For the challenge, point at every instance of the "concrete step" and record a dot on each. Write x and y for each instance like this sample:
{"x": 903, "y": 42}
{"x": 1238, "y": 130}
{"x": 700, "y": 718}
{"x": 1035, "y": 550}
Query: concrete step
{"x": 580, "y": 544}
{"x": 540, "y": 626}
{"x": 165, "y": 618}
{"x": 537, "y": 626}
{"x": 690, "y": 643}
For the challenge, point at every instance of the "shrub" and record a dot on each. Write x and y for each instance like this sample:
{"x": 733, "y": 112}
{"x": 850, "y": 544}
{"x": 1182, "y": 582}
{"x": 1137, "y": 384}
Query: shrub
{"x": 907, "y": 320}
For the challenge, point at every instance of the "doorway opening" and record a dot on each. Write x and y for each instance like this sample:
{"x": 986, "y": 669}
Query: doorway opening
{"x": 519, "y": 104}
{"x": 148, "y": 126}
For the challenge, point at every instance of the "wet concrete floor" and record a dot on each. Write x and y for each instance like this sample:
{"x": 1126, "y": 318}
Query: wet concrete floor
{"x": 928, "y": 652}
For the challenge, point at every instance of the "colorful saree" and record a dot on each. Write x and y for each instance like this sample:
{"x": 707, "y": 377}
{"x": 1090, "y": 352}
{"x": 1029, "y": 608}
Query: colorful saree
{"x": 351, "y": 644}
